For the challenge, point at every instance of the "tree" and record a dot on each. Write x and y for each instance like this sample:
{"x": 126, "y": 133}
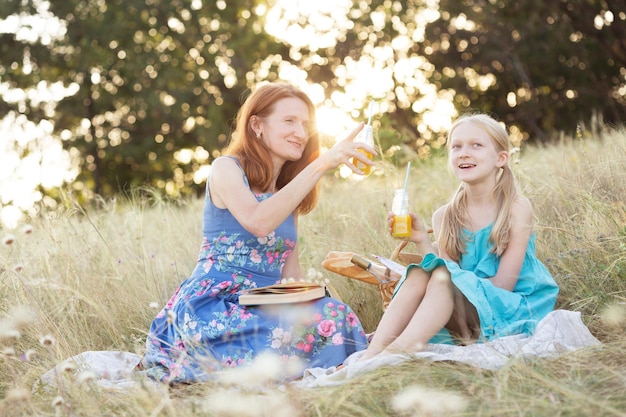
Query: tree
{"x": 548, "y": 65}
{"x": 157, "y": 83}
{"x": 541, "y": 66}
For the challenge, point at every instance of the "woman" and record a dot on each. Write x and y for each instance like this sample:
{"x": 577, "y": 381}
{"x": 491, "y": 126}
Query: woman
{"x": 267, "y": 177}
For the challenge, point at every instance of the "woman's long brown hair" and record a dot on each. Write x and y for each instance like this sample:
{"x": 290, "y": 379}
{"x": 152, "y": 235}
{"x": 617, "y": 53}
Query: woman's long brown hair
{"x": 254, "y": 155}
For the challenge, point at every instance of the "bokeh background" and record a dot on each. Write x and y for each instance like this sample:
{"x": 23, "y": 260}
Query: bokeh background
{"x": 100, "y": 97}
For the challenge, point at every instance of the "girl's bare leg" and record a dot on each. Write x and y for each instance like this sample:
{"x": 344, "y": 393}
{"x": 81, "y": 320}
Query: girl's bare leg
{"x": 399, "y": 312}
{"x": 432, "y": 314}
{"x": 464, "y": 322}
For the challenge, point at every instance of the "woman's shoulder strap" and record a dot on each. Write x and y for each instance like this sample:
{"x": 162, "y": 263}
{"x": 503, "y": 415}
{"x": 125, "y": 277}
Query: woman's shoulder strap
{"x": 234, "y": 158}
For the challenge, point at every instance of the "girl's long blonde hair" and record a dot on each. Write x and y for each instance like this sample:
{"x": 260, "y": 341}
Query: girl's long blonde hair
{"x": 453, "y": 238}
{"x": 254, "y": 155}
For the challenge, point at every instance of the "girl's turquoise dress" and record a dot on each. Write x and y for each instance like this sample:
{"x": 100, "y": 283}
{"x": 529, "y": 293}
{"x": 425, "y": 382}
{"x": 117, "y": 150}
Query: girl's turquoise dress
{"x": 203, "y": 328}
{"x": 501, "y": 312}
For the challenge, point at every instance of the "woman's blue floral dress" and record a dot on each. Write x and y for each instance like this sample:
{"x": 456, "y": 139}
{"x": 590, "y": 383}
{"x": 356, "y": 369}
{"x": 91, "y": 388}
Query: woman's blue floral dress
{"x": 203, "y": 328}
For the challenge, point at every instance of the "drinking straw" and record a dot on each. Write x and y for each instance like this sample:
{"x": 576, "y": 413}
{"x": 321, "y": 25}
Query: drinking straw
{"x": 406, "y": 179}
{"x": 370, "y": 111}
{"x": 406, "y": 182}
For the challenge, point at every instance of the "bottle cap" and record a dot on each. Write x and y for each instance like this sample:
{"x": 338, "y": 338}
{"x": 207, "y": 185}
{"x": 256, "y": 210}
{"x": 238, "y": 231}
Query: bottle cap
{"x": 360, "y": 262}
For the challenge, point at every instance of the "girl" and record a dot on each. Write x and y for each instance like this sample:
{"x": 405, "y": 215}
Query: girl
{"x": 254, "y": 195}
{"x": 483, "y": 280}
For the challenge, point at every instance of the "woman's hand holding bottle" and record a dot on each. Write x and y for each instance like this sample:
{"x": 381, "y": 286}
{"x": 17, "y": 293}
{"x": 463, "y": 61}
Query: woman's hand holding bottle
{"x": 348, "y": 152}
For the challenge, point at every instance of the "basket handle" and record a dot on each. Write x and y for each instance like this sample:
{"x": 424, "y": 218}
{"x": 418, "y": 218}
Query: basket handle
{"x": 402, "y": 245}
{"x": 398, "y": 249}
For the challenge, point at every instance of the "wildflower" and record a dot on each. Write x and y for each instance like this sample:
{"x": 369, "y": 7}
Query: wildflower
{"x": 614, "y": 315}
{"x": 67, "y": 367}
{"x": 22, "y": 316}
{"x": 416, "y": 400}
{"x": 47, "y": 341}
{"x": 8, "y": 351}
{"x": 8, "y": 240}
{"x": 29, "y": 355}
{"x": 27, "y": 229}
{"x": 86, "y": 376}
{"x": 18, "y": 318}
{"x": 57, "y": 401}
{"x": 17, "y": 394}
{"x": 154, "y": 305}
{"x": 225, "y": 403}
{"x": 311, "y": 274}
{"x": 9, "y": 334}
{"x": 265, "y": 368}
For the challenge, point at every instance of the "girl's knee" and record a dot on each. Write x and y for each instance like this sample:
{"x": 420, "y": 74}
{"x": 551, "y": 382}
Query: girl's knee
{"x": 440, "y": 274}
{"x": 417, "y": 274}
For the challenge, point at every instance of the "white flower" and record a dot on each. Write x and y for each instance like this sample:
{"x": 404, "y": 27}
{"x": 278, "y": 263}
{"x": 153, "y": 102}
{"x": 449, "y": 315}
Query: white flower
{"x": 17, "y": 394}
{"x": 8, "y": 351}
{"x": 9, "y": 334}
{"x": 266, "y": 367}
{"x": 228, "y": 403}
{"x": 8, "y": 240}
{"x": 314, "y": 275}
{"x": 614, "y": 315}
{"x": 86, "y": 376}
{"x": 67, "y": 366}
{"x": 22, "y": 316}
{"x": 30, "y": 354}
{"x": 416, "y": 400}
{"x": 47, "y": 341}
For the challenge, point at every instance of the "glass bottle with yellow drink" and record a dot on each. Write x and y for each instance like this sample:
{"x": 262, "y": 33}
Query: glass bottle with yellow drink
{"x": 401, "y": 226}
{"x": 366, "y": 136}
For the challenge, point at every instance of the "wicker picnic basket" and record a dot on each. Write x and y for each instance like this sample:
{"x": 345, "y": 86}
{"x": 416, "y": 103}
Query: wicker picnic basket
{"x": 340, "y": 263}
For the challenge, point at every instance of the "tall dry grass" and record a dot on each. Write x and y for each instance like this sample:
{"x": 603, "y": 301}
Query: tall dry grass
{"x": 78, "y": 280}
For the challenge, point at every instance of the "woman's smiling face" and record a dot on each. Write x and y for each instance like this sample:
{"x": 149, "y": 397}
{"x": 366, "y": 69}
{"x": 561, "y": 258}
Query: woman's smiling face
{"x": 286, "y": 130}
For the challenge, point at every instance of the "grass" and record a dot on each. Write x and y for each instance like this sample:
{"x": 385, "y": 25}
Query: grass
{"x": 75, "y": 280}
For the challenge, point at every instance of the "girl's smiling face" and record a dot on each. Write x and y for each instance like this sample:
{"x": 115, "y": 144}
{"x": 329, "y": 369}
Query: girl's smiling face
{"x": 286, "y": 130}
{"x": 473, "y": 155}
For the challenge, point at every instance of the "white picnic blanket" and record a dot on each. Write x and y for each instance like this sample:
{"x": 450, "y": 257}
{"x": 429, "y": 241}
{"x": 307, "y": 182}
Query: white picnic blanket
{"x": 108, "y": 369}
{"x": 559, "y": 332}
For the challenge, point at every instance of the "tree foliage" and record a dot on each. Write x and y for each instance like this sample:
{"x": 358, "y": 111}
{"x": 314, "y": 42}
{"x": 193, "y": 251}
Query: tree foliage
{"x": 543, "y": 67}
{"x": 153, "y": 77}
{"x": 555, "y": 64}
{"x": 157, "y": 83}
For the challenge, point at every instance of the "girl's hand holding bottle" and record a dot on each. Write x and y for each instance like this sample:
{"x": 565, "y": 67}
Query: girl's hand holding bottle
{"x": 418, "y": 230}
